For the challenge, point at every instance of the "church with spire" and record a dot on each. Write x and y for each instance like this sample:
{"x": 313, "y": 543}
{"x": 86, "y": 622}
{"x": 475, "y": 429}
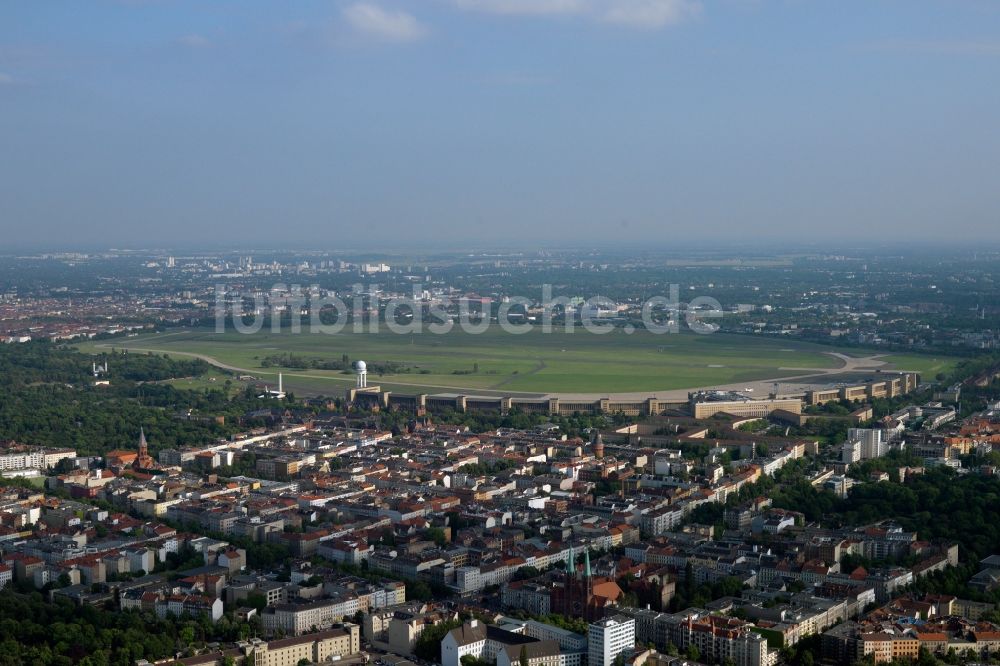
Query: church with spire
{"x": 581, "y": 594}
{"x": 143, "y": 460}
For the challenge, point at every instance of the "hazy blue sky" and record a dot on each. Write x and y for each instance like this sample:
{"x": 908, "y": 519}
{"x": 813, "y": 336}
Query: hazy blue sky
{"x": 380, "y": 122}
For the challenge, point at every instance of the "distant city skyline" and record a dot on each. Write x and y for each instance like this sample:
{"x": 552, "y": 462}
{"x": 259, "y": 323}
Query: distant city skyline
{"x": 511, "y": 123}
{"x": 601, "y": 250}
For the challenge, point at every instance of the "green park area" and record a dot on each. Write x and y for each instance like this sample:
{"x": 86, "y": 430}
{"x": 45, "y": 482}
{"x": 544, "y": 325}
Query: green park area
{"x": 496, "y": 361}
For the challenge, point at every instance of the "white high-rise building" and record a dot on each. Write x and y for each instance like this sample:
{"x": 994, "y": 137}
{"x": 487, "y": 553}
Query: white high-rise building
{"x": 872, "y": 445}
{"x": 608, "y": 638}
{"x": 850, "y": 452}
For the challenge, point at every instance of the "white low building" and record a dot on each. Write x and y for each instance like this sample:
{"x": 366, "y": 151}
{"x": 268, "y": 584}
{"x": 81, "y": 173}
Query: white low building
{"x": 482, "y": 641}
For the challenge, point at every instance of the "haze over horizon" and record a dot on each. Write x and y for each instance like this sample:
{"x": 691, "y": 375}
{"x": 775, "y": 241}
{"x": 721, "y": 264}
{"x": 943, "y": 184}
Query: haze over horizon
{"x": 466, "y": 123}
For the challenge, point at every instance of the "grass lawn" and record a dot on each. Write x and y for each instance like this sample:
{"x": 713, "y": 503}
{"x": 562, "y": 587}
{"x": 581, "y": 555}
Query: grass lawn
{"x": 36, "y": 481}
{"x": 213, "y": 379}
{"x": 927, "y": 366}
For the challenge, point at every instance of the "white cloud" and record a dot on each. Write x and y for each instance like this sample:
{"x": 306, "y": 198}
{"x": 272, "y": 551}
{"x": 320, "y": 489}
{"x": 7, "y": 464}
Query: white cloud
{"x": 650, "y": 13}
{"x": 525, "y": 7}
{"x": 383, "y": 24}
{"x": 632, "y": 13}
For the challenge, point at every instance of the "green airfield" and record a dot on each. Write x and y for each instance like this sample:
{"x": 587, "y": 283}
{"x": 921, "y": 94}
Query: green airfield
{"x": 927, "y": 366}
{"x": 534, "y": 362}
